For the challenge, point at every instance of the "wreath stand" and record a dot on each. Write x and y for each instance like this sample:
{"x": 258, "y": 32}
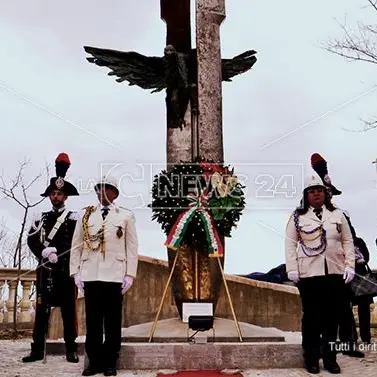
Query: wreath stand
{"x": 166, "y": 289}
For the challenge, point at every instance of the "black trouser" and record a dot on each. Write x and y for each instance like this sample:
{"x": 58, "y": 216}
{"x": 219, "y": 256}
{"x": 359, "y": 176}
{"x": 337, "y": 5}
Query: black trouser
{"x": 323, "y": 302}
{"x": 103, "y": 309}
{"x": 363, "y": 311}
{"x": 65, "y": 294}
{"x": 347, "y": 326}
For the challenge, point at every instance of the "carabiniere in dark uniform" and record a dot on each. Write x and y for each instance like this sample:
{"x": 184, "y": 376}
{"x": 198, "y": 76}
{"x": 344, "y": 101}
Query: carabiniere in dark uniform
{"x": 54, "y": 285}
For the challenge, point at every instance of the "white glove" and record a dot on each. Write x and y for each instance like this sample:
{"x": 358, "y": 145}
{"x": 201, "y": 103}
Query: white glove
{"x": 360, "y": 260}
{"x": 293, "y": 276}
{"x": 127, "y": 283}
{"x": 349, "y": 274}
{"x": 79, "y": 283}
{"x": 53, "y": 258}
{"x": 50, "y": 254}
{"x": 47, "y": 251}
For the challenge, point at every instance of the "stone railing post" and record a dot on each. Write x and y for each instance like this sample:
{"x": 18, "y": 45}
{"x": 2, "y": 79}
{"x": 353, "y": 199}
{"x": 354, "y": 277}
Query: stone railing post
{"x": 34, "y": 306}
{"x": 2, "y": 285}
{"x": 25, "y": 315}
{"x": 9, "y": 276}
{"x": 373, "y": 314}
{"x": 12, "y": 286}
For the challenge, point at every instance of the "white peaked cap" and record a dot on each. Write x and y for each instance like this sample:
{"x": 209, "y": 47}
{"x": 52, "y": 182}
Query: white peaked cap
{"x": 314, "y": 180}
{"x": 108, "y": 180}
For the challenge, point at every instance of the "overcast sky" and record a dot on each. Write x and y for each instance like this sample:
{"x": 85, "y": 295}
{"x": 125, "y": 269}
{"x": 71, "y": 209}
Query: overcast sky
{"x": 298, "y": 99}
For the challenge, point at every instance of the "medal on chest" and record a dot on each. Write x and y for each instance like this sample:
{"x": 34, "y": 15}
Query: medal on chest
{"x": 120, "y": 232}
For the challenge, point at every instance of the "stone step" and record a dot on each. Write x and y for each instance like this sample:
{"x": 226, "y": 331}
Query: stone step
{"x": 173, "y": 330}
{"x": 261, "y": 348}
{"x": 209, "y": 356}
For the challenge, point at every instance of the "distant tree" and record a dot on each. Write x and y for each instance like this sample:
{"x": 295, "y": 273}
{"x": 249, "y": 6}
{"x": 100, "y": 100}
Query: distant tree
{"x": 17, "y": 189}
{"x": 7, "y": 245}
{"x": 358, "y": 45}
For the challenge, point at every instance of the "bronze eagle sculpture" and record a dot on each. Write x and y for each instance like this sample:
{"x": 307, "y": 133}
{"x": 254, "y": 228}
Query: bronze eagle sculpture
{"x": 175, "y": 72}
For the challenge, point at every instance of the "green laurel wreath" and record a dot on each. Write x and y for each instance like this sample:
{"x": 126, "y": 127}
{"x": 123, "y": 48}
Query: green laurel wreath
{"x": 225, "y": 204}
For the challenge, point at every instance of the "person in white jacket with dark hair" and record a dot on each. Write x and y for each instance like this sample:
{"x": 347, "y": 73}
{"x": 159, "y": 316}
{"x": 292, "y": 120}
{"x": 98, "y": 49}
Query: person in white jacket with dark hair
{"x": 104, "y": 259}
{"x": 320, "y": 259}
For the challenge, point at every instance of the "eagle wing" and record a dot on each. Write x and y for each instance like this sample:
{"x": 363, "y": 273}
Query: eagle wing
{"x": 147, "y": 72}
{"x": 237, "y": 65}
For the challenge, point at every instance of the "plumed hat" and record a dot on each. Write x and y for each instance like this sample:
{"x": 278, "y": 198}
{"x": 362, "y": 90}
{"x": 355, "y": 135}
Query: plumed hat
{"x": 314, "y": 180}
{"x": 62, "y": 164}
{"x": 319, "y": 164}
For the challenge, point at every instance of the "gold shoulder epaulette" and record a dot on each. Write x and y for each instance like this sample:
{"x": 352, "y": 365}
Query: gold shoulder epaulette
{"x": 87, "y": 207}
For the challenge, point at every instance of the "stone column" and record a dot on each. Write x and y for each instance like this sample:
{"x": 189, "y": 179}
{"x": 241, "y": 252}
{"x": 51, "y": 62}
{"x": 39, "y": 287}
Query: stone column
{"x": 197, "y": 277}
{"x": 12, "y": 286}
{"x": 25, "y": 315}
{"x": 209, "y": 15}
{"x": 176, "y": 14}
{"x": 2, "y": 284}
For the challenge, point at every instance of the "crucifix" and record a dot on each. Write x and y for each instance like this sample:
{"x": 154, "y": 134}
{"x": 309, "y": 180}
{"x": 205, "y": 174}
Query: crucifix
{"x": 192, "y": 79}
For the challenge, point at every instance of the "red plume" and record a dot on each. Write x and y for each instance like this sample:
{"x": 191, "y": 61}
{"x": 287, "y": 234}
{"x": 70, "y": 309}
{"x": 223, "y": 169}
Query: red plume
{"x": 315, "y": 158}
{"x": 62, "y": 164}
{"x": 319, "y": 164}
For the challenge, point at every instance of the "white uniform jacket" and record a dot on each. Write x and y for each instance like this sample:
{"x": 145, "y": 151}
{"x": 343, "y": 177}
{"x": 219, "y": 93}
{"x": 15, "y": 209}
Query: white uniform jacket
{"x": 339, "y": 252}
{"x": 121, "y": 247}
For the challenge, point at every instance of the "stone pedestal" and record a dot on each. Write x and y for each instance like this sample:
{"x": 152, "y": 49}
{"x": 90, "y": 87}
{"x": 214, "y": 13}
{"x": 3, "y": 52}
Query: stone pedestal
{"x": 263, "y": 348}
{"x": 224, "y": 331}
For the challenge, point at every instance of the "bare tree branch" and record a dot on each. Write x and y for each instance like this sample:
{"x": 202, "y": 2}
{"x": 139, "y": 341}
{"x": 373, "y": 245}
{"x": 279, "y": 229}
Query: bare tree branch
{"x": 359, "y": 45}
{"x": 18, "y": 191}
{"x": 355, "y": 47}
{"x": 32, "y": 181}
{"x": 373, "y": 4}
{"x": 369, "y": 125}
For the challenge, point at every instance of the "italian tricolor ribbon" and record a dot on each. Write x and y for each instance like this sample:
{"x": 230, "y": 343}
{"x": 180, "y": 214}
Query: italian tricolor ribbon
{"x": 197, "y": 205}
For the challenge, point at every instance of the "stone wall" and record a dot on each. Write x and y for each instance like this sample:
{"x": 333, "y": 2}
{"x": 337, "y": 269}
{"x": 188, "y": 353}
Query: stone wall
{"x": 255, "y": 302}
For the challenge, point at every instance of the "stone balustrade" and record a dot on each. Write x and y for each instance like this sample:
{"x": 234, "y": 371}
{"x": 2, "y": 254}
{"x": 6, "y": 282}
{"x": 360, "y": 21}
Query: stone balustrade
{"x": 256, "y": 302}
{"x": 23, "y": 287}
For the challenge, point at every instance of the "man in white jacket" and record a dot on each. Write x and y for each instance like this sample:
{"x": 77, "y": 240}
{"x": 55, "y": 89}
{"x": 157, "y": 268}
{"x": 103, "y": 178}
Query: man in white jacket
{"x": 104, "y": 261}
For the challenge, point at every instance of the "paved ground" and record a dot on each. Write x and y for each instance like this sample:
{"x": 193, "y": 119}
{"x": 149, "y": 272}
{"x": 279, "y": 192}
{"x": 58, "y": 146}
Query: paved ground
{"x": 11, "y": 353}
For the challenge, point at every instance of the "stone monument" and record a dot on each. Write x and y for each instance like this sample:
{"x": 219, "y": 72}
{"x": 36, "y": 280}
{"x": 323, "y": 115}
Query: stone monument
{"x": 192, "y": 79}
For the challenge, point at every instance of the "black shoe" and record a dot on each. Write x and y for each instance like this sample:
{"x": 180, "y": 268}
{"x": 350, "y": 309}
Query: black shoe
{"x": 72, "y": 357}
{"x": 91, "y": 370}
{"x": 312, "y": 367}
{"x": 331, "y": 366}
{"x": 34, "y": 356}
{"x": 110, "y": 371}
{"x": 354, "y": 353}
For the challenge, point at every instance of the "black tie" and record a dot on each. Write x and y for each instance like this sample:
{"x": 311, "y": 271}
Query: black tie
{"x": 105, "y": 211}
{"x": 318, "y": 212}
